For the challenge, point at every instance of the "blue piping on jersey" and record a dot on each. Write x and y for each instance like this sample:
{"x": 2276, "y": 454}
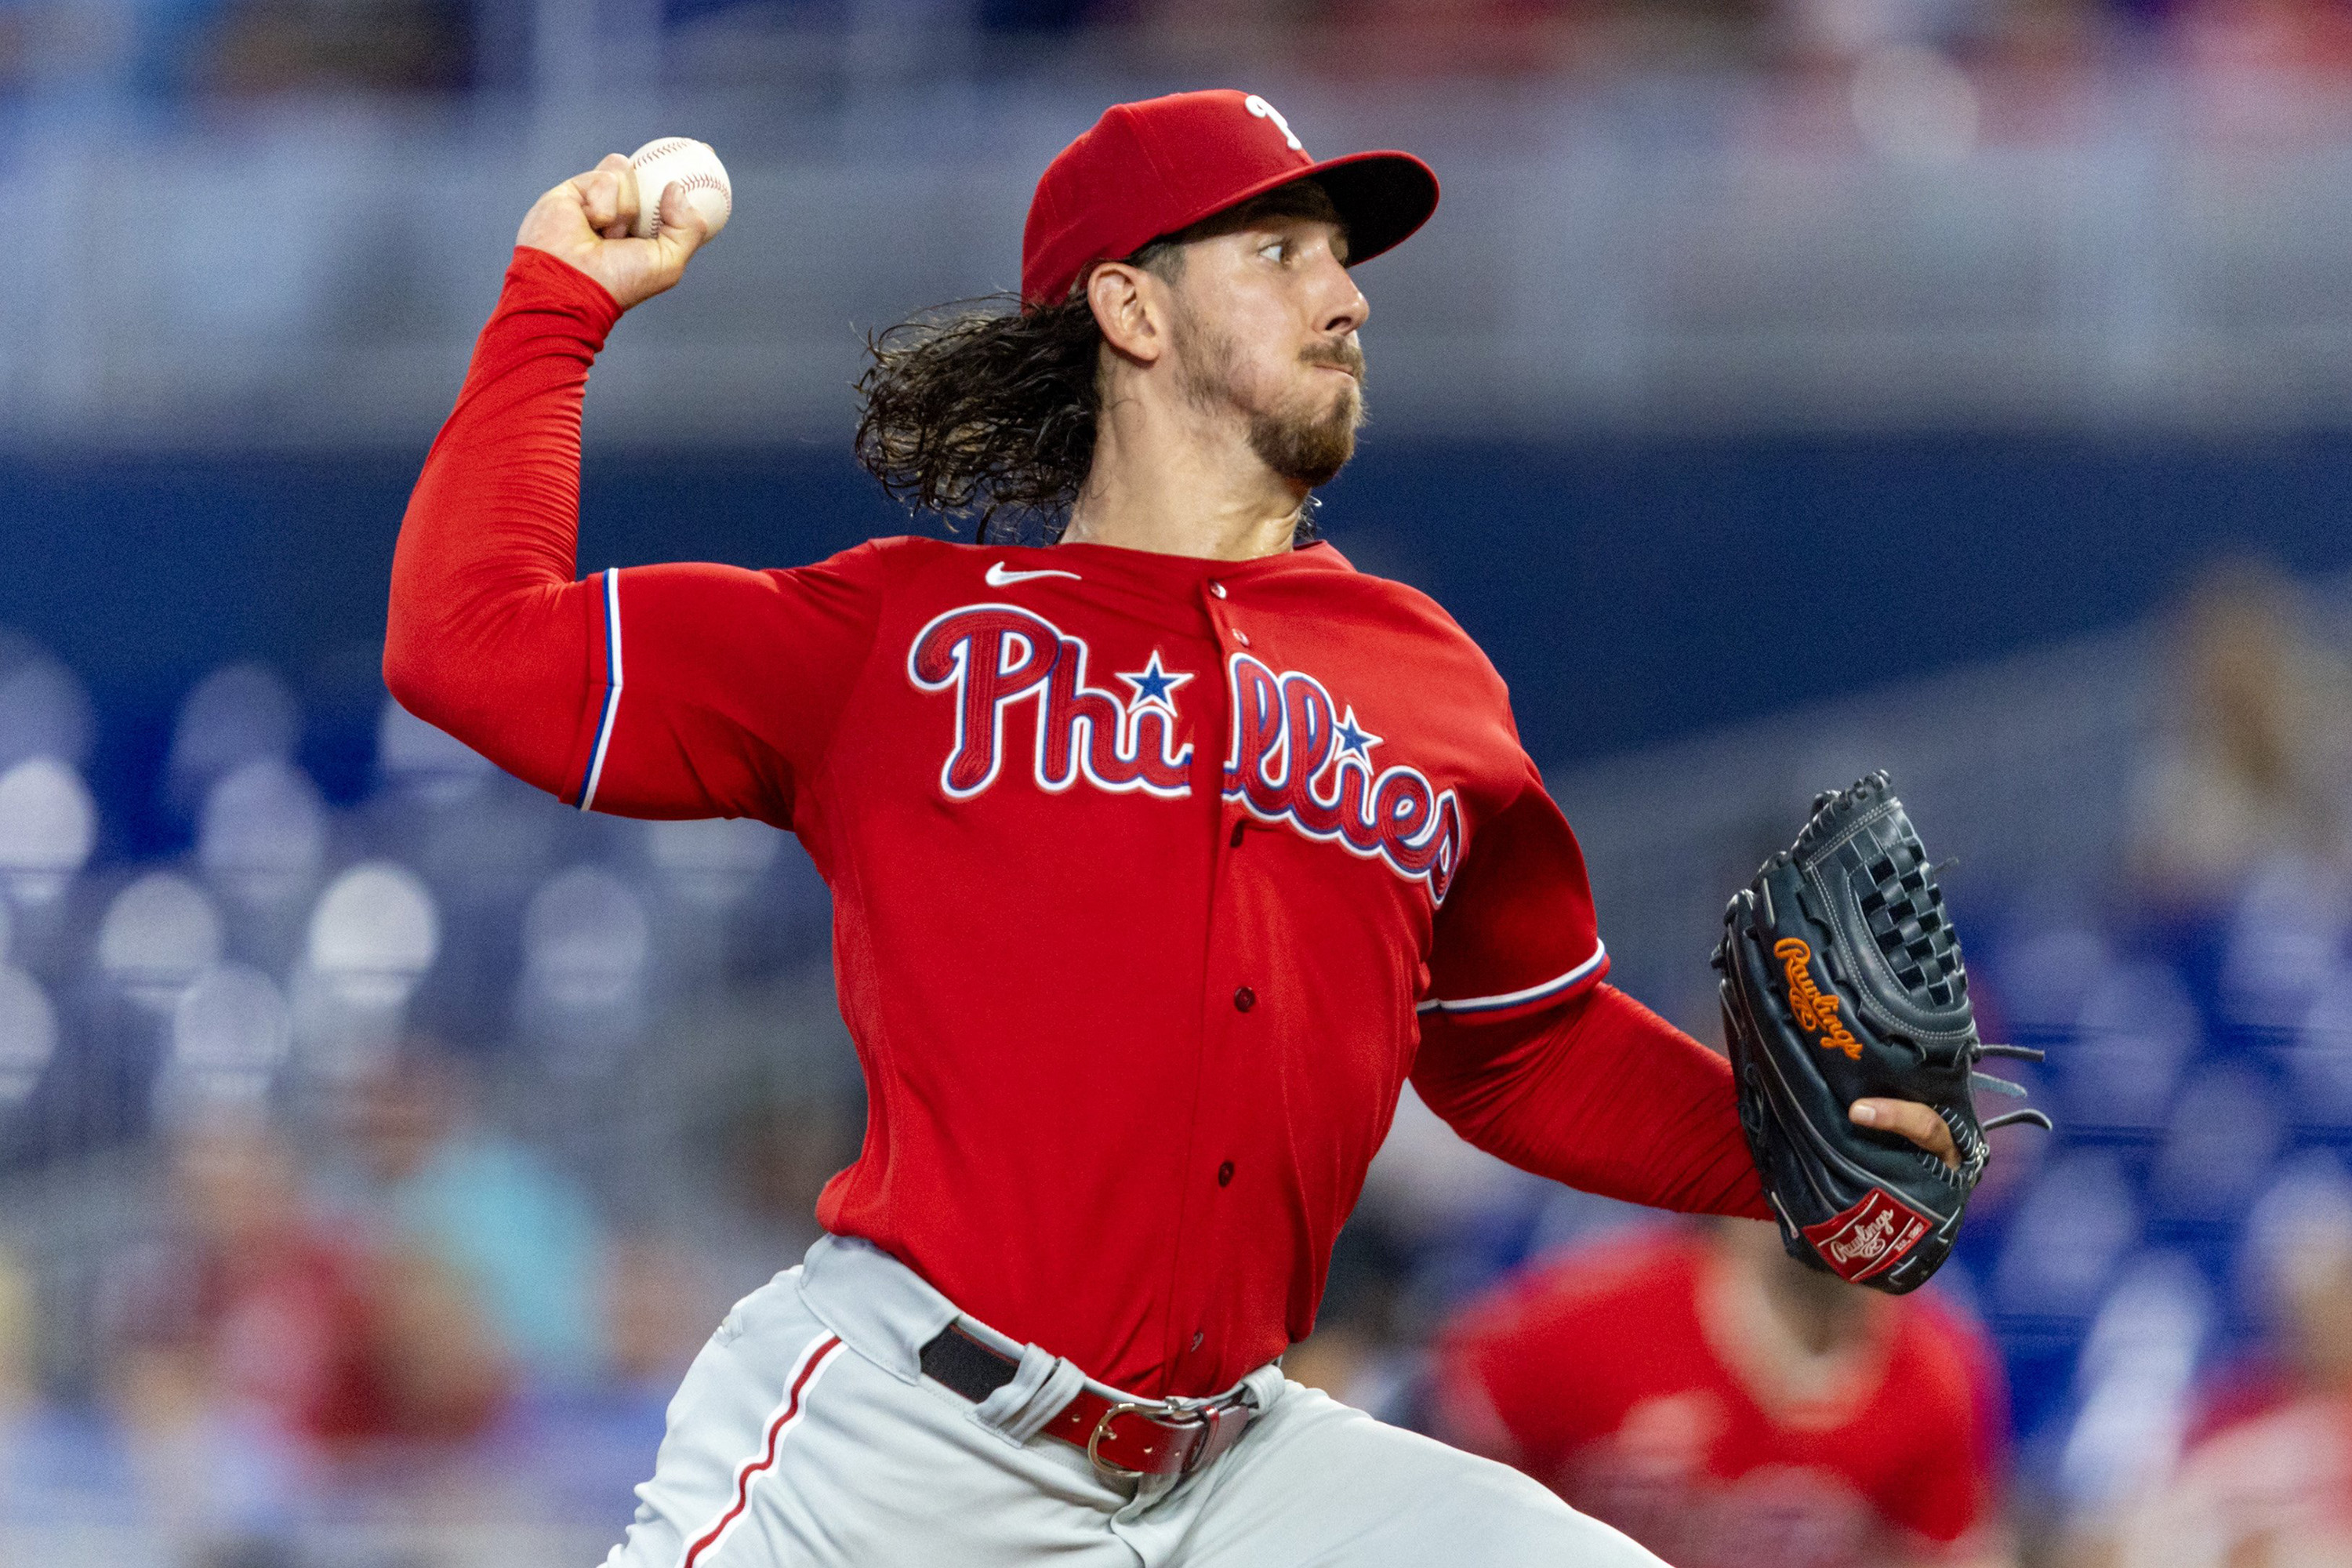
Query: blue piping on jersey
{"x": 1520, "y": 998}
{"x": 611, "y": 685}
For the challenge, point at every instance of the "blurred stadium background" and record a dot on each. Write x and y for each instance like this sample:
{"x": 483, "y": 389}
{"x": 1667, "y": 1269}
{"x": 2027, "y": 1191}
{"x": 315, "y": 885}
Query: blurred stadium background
{"x": 1786, "y": 387}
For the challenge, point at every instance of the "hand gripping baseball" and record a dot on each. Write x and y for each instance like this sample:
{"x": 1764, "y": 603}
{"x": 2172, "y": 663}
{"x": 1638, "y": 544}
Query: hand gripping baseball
{"x": 586, "y": 221}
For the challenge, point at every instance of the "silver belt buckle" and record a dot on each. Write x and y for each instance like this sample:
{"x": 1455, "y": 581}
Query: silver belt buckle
{"x": 1185, "y": 1417}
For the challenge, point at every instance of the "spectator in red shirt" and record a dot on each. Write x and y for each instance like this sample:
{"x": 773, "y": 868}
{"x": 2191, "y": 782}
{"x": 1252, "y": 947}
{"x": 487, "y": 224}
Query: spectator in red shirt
{"x": 252, "y": 1306}
{"x": 1723, "y": 1405}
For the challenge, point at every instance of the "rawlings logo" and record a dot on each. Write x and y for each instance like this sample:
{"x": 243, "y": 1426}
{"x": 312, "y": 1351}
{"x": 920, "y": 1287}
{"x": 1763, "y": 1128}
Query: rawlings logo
{"x": 1815, "y": 1010}
{"x": 994, "y": 655}
{"x": 1297, "y": 759}
{"x": 1865, "y": 1241}
{"x": 1869, "y": 1237}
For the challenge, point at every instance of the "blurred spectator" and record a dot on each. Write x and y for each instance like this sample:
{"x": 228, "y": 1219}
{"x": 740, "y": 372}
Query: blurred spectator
{"x": 256, "y": 1313}
{"x": 2267, "y": 1475}
{"x": 1481, "y": 38}
{"x": 2130, "y": 1396}
{"x": 1487, "y": 37}
{"x": 1034, "y": 16}
{"x": 18, "y": 1339}
{"x": 1723, "y": 1405}
{"x": 2254, "y": 767}
{"x": 2266, "y": 69}
{"x": 660, "y": 1305}
{"x": 1361, "y": 1349}
{"x": 779, "y": 1154}
{"x": 459, "y": 1192}
{"x": 307, "y": 46}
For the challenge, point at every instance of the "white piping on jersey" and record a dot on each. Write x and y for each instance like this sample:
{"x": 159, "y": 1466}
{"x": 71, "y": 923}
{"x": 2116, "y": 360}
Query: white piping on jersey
{"x": 1519, "y": 998}
{"x": 612, "y": 685}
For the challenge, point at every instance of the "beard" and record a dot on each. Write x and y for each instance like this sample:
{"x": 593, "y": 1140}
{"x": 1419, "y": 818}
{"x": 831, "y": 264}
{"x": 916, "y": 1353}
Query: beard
{"x": 1308, "y": 450}
{"x": 1305, "y": 446}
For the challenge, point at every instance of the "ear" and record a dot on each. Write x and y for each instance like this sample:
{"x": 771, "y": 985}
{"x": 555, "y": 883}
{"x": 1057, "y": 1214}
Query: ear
{"x": 1131, "y": 306}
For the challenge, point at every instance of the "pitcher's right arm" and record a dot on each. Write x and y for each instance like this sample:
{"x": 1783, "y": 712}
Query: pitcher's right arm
{"x": 678, "y": 691}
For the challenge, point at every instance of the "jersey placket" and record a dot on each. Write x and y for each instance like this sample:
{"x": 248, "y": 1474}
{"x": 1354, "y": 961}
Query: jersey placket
{"x": 1217, "y": 1172}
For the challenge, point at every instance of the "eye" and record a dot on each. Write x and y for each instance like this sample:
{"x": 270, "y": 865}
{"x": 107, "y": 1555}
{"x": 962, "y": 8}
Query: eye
{"x": 1276, "y": 250}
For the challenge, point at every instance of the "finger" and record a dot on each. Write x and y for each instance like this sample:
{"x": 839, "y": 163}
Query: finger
{"x": 1908, "y": 1119}
{"x": 625, "y": 189}
{"x": 683, "y": 230}
{"x": 599, "y": 196}
{"x": 561, "y": 214}
{"x": 608, "y": 196}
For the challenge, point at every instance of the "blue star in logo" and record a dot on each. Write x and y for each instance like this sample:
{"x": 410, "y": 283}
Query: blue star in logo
{"x": 1354, "y": 737}
{"x": 1153, "y": 685}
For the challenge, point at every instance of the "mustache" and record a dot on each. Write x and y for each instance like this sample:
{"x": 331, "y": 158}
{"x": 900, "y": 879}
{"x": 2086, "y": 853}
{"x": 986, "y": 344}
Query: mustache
{"x": 1343, "y": 353}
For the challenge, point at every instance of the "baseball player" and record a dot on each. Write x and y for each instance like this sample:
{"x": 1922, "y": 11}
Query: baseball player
{"x": 1730, "y": 1408}
{"x": 1161, "y": 857}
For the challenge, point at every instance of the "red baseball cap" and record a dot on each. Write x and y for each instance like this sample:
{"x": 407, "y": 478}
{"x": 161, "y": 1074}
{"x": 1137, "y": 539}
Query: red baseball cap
{"x": 1149, "y": 169}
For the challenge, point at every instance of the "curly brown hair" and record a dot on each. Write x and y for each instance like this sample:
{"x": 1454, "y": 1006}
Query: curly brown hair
{"x": 987, "y": 410}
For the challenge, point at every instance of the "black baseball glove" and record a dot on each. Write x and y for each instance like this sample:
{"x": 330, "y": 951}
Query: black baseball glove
{"x": 1841, "y": 980}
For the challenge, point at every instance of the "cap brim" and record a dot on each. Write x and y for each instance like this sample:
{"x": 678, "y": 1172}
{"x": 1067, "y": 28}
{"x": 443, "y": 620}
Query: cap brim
{"x": 1382, "y": 197}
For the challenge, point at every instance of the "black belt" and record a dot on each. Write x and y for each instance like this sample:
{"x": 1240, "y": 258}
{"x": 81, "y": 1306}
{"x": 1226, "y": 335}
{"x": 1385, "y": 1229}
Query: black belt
{"x": 1124, "y": 1438}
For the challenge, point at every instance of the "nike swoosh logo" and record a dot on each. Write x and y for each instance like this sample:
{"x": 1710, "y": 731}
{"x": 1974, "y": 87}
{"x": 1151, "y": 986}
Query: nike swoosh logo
{"x": 1000, "y": 576}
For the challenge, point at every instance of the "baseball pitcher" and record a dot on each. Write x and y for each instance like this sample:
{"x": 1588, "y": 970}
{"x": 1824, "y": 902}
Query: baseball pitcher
{"x": 1162, "y": 855}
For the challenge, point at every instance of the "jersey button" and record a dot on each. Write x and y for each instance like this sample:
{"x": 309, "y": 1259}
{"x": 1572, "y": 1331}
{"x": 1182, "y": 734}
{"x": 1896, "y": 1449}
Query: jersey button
{"x": 1225, "y": 1175}
{"x": 1198, "y": 1336}
{"x": 1244, "y": 999}
{"x": 1218, "y": 589}
{"x": 1237, "y": 834}
{"x": 1242, "y": 638}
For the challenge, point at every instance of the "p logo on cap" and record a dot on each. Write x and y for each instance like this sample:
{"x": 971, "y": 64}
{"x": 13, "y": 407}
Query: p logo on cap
{"x": 1266, "y": 110}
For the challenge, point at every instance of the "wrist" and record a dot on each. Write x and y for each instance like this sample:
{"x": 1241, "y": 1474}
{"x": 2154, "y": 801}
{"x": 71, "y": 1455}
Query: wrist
{"x": 545, "y": 280}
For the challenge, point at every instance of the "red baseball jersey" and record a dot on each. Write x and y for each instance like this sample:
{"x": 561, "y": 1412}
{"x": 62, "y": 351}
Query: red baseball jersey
{"x": 1642, "y": 1380}
{"x": 1146, "y": 869}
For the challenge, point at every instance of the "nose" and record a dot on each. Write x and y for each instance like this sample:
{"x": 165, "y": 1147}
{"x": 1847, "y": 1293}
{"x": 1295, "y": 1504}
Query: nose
{"x": 1344, "y": 307}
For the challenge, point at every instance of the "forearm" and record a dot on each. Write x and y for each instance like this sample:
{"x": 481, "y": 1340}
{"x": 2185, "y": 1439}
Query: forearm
{"x": 488, "y": 634}
{"x": 1601, "y": 1094}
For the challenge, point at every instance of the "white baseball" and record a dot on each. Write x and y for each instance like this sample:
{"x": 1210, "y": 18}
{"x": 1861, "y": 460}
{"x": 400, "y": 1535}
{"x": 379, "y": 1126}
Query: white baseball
{"x": 669, "y": 161}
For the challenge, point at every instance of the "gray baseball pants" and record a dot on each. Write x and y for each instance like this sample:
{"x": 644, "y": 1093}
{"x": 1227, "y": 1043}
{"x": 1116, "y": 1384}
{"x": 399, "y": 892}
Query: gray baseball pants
{"x": 806, "y": 1433}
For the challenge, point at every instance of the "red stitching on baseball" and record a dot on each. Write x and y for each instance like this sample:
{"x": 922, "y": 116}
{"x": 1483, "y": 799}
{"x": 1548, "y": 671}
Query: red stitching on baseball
{"x": 706, "y": 183}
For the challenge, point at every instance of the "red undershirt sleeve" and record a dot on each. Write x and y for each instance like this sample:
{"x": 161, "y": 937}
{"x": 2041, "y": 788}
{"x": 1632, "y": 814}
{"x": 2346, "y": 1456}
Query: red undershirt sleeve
{"x": 688, "y": 690}
{"x": 1527, "y": 1053}
{"x": 1599, "y": 1093}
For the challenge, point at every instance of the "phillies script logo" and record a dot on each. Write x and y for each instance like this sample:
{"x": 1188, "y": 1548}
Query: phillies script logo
{"x": 1297, "y": 758}
{"x": 1815, "y": 1010}
{"x": 994, "y": 655}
